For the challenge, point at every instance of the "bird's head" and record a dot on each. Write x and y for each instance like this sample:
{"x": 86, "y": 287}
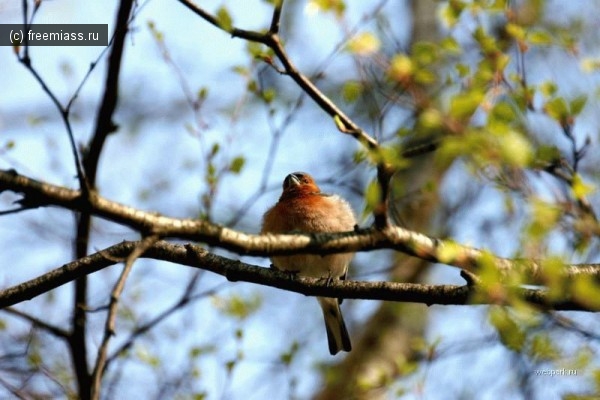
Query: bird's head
{"x": 299, "y": 183}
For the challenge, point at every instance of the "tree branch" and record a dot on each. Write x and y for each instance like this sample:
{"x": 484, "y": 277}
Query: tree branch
{"x": 109, "y": 327}
{"x": 198, "y": 257}
{"x": 54, "y": 330}
{"x": 186, "y": 297}
{"x": 104, "y": 126}
{"x": 39, "y": 194}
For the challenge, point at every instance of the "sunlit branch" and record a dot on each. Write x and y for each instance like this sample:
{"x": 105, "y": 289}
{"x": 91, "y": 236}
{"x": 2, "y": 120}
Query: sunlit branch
{"x": 392, "y": 237}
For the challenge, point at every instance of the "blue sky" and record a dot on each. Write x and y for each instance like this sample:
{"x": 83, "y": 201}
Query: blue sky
{"x": 155, "y": 163}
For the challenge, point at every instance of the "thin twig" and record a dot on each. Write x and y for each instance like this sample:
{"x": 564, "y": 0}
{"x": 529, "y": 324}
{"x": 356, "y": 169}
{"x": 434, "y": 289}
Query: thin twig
{"x": 186, "y": 298}
{"x": 54, "y": 330}
{"x": 109, "y": 327}
{"x": 64, "y": 114}
{"x": 276, "y": 135}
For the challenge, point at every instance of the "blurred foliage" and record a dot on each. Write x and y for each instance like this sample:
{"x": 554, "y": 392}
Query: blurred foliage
{"x": 507, "y": 94}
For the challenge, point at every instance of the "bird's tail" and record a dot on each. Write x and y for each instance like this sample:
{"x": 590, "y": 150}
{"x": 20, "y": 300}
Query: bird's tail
{"x": 337, "y": 334}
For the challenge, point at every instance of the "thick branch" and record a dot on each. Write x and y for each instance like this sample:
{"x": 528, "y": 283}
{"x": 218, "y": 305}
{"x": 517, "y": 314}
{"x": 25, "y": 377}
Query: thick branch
{"x": 233, "y": 270}
{"x": 103, "y": 127}
{"x": 104, "y": 118}
{"x": 39, "y": 194}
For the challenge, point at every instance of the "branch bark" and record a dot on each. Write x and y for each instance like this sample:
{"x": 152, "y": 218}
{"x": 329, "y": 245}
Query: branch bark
{"x": 104, "y": 126}
{"x": 38, "y": 194}
{"x": 234, "y": 270}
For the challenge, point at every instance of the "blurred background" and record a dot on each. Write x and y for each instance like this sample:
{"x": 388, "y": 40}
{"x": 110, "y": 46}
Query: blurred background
{"x": 208, "y": 129}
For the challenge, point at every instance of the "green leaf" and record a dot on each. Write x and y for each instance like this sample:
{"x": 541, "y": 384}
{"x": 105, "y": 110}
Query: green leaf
{"x": 590, "y": 64}
{"x": 450, "y": 13}
{"x": 580, "y": 188}
{"x": 544, "y": 217}
{"x": 548, "y": 89}
{"x": 238, "y": 307}
{"x": 230, "y": 365}
{"x": 145, "y": 356}
{"x": 463, "y": 105}
{"x": 252, "y": 86}
{"x": 515, "y": 149}
{"x": 543, "y": 348}
{"x": 586, "y": 291}
{"x": 486, "y": 42}
{"x": 202, "y": 93}
{"x": 553, "y": 270}
{"x": 547, "y": 154}
{"x": 424, "y": 53}
{"x": 463, "y": 70}
{"x": 237, "y": 164}
{"x": 503, "y": 112}
{"x": 557, "y": 109}
{"x": 268, "y": 95}
{"x": 351, "y": 91}
{"x": 449, "y": 251}
{"x": 339, "y": 123}
{"x": 198, "y": 351}
{"x": 359, "y": 156}
{"x": 158, "y": 35}
{"x": 450, "y": 45}
{"x": 288, "y": 357}
{"x": 214, "y": 149}
{"x": 364, "y": 44}
{"x": 372, "y": 197}
{"x": 255, "y": 49}
{"x": 516, "y": 31}
{"x": 431, "y": 119}
{"x": 335, "y": 6}
{"x": 241, "y": 70}
{"x": 388, "y": 155}
{"x": 425, "y": 77}
{"x": 539, "y": 38}
{"x": 577, "y": 105}
{"x": 511, "y": 335}
{"x": 224, "y": 19}
{"x": 401, "y": 68}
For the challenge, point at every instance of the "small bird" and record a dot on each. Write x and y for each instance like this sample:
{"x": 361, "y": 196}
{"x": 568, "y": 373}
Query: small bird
{"x": 303, "y": 208}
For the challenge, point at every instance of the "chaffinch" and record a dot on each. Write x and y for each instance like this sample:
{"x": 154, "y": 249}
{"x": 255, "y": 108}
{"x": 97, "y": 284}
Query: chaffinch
{"x": 303, "y": 208}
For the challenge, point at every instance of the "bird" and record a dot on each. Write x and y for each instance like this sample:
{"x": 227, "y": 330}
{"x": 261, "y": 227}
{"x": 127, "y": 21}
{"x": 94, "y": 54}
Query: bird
{"x": 303, "y": 208}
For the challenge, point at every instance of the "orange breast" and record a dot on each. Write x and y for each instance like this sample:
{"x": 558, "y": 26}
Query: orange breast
{"x": 309, "y": 213}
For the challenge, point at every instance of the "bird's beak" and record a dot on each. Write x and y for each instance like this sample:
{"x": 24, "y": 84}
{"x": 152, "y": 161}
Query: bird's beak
{"x": 293, "y": 180}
